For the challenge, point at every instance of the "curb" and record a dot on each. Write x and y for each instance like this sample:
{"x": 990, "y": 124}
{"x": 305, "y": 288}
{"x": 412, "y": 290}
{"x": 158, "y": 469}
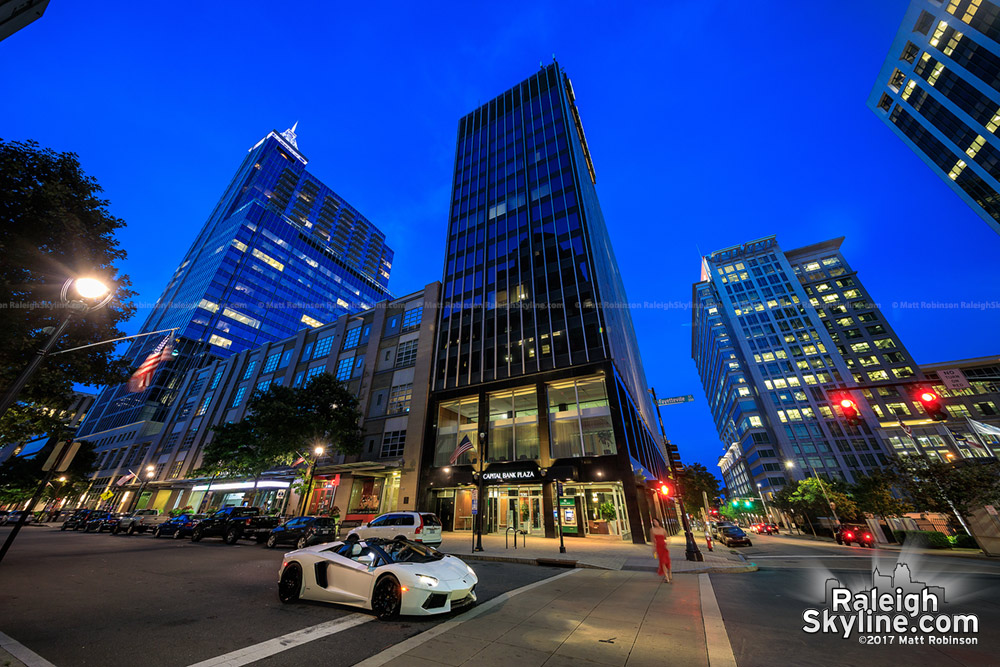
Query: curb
{"x": 712, "y": 569}
{"x": 528, "y": 561}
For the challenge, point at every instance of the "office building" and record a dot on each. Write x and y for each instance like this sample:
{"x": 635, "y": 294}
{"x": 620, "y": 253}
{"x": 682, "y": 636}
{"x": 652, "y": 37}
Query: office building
{"x": 536, "y": 359}
{"x": 16, "y": 14}
{"x": 939, "y": 91}
{"x": 280, "y": 252}
{"x": 777, "y": 337}
{"x": 384, "y": 355}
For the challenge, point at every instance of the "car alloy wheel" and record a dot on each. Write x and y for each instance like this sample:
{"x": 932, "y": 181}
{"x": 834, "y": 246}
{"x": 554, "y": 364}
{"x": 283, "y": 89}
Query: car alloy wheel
{"x": 272, "y": 541}
{"x": 157, "y": 532}
{"x": 290, "y": 585}
{"x": 232, "y": 535}
{"x": 177, "y": 534}
{"x": 131, "y": 529}
{"x": 386, "y": 598}
{"x": 302, "y": 543}
{"x": 196, "y": 535}
{"x": 114, "y": 529}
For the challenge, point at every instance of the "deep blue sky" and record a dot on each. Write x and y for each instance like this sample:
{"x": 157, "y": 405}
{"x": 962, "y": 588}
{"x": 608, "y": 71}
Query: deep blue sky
{"x": 711, "y": 123}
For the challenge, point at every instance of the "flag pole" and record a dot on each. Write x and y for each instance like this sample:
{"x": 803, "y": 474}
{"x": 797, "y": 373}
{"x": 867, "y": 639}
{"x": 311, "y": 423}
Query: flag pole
{"x": 975, "y": 434}
{"x": 112, "y": 340}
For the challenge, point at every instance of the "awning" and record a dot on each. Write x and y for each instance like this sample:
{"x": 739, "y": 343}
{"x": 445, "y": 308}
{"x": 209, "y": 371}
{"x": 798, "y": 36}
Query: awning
{"x": 362, "y": 467}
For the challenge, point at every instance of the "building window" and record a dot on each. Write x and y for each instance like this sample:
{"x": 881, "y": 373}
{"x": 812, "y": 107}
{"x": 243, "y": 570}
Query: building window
{"x": 513, "y": 425}
{"x": 987, "y": 408}
{"x": 393, "y": 443}
{"x": 344, "y": 369}
{"x": 203, "y": 408}
{"x": 298, "y": 379}
{"x": 909, "y": 53}
{"x": 457, "y": 420}
{"x": 352, "y": 337}
{"x": 359, "y": 365}
{"x": 188, "y": 441}
{"x": 272, "y": 362}
{"x": 262, "y": 386}
{"x": 219, "y": 341}
{"x": 406, "y": 353}
{"x": 924, "y": 23}
{"x": 399, "y": 398}
{"x": 252, "y": 365}
{"x": 896, "y": 82}
{"x": 411, "y": 318}
{"x": 323, "y": 347}
{"x": 239, "y": 397}
{"x": 580, "y": 419}
{"x": 175, "y": 469}
{"x": 313, "y": 372}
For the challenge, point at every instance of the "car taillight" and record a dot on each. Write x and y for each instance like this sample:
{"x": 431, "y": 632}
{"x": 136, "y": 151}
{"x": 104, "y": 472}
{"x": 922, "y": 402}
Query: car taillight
{"x": 421, "y": 526}
{"x": 867, "y": 536}
{"x": 850, "y": 534}
{"x": 247, "y": 522}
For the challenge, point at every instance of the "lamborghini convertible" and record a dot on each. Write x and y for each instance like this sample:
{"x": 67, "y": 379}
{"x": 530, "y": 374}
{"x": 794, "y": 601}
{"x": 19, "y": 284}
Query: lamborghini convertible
{"x": 389, "y": 577}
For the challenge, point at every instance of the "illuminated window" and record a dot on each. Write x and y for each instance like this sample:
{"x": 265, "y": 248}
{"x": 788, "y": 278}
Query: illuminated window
{"x": 239, "y": 397}
{"x": 344, "y": 369}
{"x": 239, "y": 245}
{"x": 270, "y": 261}
{"x": 240, "y": 317}
{"x": 209, "y": 306}
{"x": 310, "y": 321}
{"x": 220, "y": 341}
{"x": 399, "y": 398}
{"x": 352, "y": 337}
{"x": 957, "y": 169}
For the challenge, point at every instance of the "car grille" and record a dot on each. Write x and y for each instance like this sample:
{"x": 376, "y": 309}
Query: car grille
{"x": 435, "y": 601}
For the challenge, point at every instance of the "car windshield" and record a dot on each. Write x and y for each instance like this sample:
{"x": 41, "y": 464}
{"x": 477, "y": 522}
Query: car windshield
{"x": 732, "y": 530}
{"x": 430, "y": 520}
{"x": 410, "y": 552}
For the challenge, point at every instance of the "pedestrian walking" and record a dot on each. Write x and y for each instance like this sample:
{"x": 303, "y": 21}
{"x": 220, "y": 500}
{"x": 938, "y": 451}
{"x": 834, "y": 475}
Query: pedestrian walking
{"x": 660, "y": 551}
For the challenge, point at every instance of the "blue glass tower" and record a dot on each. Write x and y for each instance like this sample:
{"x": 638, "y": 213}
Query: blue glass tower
{"x": 280, "y": 252}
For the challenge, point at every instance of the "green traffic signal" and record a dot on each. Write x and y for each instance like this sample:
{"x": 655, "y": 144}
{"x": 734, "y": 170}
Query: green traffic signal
{"x": 748, "y": 503}
{"x": 736, "y": 503}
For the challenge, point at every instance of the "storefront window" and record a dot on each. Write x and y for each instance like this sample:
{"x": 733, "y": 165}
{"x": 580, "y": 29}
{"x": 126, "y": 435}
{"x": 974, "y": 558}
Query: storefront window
{"x": 366, "y": 495}
{"x": 456, "y": 420}
{"x": 580, "y": 419}
{"x": 513, "y": 425}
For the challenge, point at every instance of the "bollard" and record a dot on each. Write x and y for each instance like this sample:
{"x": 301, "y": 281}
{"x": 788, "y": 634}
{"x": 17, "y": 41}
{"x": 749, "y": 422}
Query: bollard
{"x": 708, "y": 539}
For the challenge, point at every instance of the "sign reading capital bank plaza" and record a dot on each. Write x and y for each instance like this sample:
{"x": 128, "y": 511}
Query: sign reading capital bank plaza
{"x": 511, "y": 476}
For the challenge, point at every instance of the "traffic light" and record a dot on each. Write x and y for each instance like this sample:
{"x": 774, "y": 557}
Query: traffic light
{"x": 748, "y": 503}
{"x": 850, "y": 410}
{"x": 932, "y": 405}
{"x": 666, "y": 491}
{"x": 736, "y": 503}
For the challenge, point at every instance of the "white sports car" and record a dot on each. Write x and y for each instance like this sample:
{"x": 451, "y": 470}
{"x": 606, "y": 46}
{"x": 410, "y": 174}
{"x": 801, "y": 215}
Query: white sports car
{"x": 390, "y": 577}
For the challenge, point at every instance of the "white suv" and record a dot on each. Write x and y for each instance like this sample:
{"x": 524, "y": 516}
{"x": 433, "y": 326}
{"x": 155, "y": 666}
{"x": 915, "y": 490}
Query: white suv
{"x": 421, "y": 527}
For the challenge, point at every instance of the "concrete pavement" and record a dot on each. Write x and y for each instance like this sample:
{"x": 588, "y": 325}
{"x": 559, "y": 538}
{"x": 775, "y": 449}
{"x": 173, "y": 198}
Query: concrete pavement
{"x": 598, "y": 552}
{"x": 588, "y": 619}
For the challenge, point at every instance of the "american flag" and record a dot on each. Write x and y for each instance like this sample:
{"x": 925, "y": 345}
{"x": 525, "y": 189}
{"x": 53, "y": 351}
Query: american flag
{"x": 462, "y": 448}
{"x": 143, "y": 376}
{"x": 906, "y": 429}
{"x": 125, "y": 479}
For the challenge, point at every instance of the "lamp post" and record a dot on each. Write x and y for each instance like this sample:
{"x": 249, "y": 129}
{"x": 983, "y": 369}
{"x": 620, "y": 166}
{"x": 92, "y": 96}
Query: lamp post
{"x": 150, "y": 473}
{"x": 691, "y": 551}
{"x": 318, "y": 451}
{"x": 80, "y": 296}
{"x": 767, "y": 511}
{"x": 822, "y": 487}
{"x": 478, "y": 521}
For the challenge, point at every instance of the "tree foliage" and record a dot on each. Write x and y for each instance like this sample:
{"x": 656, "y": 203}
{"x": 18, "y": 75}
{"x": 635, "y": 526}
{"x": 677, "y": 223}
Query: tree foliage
{"x": 696, "y": 478}
{"x": 20, "y": 477}
{"x": 807, "y": 496}
{"x": 936, "y": 486}
{"x": 53, "y": 227}
{"x": 874, "y": 495}
{"x": 283, "y": 423}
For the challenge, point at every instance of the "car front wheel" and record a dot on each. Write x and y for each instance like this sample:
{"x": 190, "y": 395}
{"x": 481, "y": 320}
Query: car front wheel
{"x": 386, "y": 598}
{"x": 232, "y": 535}
{"x": 196, "y": 535}
{"x": 157, "y": 532}
{"x": 131, "y": 529}
{"x": 177, "y": 534}
{"x": 272, "y": 541}
{"x": 290, "y": 585}
{"x": 302, "y": 543}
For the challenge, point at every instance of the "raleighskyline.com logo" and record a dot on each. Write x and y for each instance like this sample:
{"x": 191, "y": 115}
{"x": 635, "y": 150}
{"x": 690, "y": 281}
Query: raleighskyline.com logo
{"x": 895, "y": 610}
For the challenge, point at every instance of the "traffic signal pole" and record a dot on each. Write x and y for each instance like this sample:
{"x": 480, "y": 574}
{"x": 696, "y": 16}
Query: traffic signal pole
{"x": 691, "y": 551}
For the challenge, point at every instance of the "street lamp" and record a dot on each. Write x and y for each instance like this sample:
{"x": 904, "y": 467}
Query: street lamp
{"x": 80, "y": 296}
{"x": 478, "y": 520}
{"x": 150, "y": 473}
{"x": 318, "y": 451}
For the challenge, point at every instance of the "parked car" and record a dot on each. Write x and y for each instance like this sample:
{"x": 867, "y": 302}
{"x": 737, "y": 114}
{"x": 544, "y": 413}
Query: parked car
{"x": 179, "y": 526}
{"x": 849, "y": 533}
{"x": 102, "y": 521}
{"x": 235, "y": 523}
{"x": 390, "y": 577}
{"x": 15, "y": 516}
{"x": 140, "y": 521}
{"x": 3, "y": 516}
{"x": 422, "y": 527}
{"x": 732, "y": 536}
{"x": 303, "y": 531}
{"x": 719, "y": 525}
{"x": 77, "y": 520}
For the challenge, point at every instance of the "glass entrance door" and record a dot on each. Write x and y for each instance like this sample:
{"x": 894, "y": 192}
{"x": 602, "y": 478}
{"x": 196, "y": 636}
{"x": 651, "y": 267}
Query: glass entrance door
{"x": 518, "y": 507}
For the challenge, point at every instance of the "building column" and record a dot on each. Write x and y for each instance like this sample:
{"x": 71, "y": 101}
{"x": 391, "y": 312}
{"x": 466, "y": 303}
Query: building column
{"x": 548, "y": 505}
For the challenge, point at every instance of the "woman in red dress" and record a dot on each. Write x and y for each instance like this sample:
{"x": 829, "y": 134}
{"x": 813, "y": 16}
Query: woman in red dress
{"x": 660, "y": 551}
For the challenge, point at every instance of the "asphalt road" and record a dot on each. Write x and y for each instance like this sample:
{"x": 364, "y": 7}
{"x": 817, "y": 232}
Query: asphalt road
{"x": 763, "y": 610}
{"x": 98, "y": 599}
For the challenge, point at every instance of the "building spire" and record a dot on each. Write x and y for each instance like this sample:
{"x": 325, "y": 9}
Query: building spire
{"x": 289, "y": 135}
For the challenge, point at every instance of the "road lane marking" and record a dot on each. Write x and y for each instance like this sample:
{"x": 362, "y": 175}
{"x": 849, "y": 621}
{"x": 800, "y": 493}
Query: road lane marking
{"x": 402, "y": 647}
{"x": 815, "y": 557}
{"x": 245, "y": 656}
{"x": 720, "y": 651}
{"x": 22, "y": 652}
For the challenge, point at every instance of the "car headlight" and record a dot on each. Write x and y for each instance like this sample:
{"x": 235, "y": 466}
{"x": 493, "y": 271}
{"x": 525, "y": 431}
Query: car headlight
{"x": 426, "y": 580}
{"x": 471, "y": 571}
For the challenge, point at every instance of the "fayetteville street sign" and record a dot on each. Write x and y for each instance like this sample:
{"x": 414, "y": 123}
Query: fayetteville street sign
{"x": 674, "y": 400}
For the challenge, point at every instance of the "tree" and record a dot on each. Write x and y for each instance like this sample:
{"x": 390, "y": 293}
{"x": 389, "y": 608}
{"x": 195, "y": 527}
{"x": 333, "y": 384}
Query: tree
{"x": 812, "y": 493}
{"x": 20, "y": 477}
{"x": 282, "y": 424}
{"x": 694, "y": 479}
{"x": 952, "y": 488}
{"x": 53, "y": 226}
{"x": 873, "y": 495}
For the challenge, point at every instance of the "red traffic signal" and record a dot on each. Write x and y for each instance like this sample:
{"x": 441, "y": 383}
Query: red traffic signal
{"x": 932, "y": 405}
{"x": 666, "y": 491}
{"x": 850, "y": 410}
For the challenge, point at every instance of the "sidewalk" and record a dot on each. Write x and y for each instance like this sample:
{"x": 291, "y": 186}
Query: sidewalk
{"x": 598, "y": 552}
{"x": 954, "y": 551}
{"x": 587, "y": 619}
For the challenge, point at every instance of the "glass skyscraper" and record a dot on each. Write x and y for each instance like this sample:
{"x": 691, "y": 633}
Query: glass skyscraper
{"x": 280, "y": 252}
{"x": 939, "y": 91}
{"x": 535, "y": 345}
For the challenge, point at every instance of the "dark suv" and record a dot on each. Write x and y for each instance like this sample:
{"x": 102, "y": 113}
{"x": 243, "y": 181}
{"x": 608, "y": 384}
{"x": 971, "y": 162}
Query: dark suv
{"x": 303, "y": 531}
{"x": 77, "y": 520}
{"x": 849, "y": 533}
{"x": 732, "y": 536}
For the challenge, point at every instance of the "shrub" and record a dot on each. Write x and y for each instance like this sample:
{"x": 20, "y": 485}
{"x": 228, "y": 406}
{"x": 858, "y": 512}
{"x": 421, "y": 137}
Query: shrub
{"x": 963, "y": 541}
{"x": 927, "y": 539}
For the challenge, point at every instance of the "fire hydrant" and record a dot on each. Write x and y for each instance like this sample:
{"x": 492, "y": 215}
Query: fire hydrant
{"x": 708, "y": 540}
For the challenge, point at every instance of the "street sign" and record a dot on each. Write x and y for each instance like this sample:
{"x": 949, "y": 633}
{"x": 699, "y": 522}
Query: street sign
{"x": 475, "y": 501}
{"x": 559, "y": 489}
{"x": 107, "y": 495}
{"x": 674, "y": 400}
{"x": 954, "y": 379}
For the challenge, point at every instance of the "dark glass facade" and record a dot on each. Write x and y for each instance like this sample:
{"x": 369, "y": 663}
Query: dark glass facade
{"x": 280, "y": 252}
{"x": 535, "y": 346}
{"x": 939, "y": 91}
